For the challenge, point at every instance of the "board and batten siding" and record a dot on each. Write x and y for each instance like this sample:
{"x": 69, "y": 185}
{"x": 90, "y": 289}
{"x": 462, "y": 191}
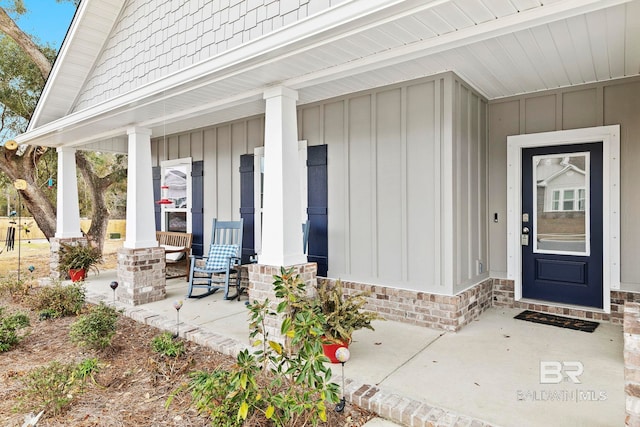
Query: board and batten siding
{"x": 600, "y": 104}
{"x": 220, "y": 148}
{"x": 470, "y": 228}
{"x": 395, "y": 156}
{"x": 407, "y": 180}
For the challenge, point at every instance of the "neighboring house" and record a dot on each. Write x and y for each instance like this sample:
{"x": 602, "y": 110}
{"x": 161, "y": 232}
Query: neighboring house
{"x": 402, "y": 129}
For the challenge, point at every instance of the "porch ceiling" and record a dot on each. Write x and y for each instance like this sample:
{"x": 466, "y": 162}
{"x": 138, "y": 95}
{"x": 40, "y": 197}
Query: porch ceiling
{"x": 501, "y": 47}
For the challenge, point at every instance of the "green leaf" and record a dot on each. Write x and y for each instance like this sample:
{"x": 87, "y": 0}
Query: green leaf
{"x": 243, "y": 381}
{"x": 269, "y": 412}
{"x": 275, "y": 346}
{"x": 243, "y": 411}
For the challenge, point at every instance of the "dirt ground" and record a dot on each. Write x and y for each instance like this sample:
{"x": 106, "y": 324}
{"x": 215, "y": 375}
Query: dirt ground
{"x": 133, "y": 383}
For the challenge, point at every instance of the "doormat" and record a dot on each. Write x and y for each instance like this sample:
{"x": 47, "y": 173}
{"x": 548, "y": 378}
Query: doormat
{"x": 560, "y": 321}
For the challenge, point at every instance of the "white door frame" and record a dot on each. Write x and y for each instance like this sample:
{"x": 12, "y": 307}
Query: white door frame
{"x": 610, "y": 137}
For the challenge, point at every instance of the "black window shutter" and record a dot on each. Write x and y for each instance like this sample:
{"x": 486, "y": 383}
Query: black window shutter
{"x": 247, "y": 209}
{"x": 156, "y": 171}
{"x": 317, "y": 201}
{"x": 197, "y": 207}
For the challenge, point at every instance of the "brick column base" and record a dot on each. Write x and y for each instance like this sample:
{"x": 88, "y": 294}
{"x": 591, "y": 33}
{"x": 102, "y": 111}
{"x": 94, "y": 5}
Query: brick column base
{"x": 141, "y": 275}
{"x": 54, "y": 262}
{"x": 261, "y": 288}
{"x": 632, "y": 363}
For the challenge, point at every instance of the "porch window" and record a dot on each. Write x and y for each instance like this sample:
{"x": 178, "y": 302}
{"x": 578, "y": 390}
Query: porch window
{"x": 176, "y": 180}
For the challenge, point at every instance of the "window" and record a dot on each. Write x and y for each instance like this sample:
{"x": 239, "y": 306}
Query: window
{"x": 176, "y": 190}
{"x": 568, "y": 199}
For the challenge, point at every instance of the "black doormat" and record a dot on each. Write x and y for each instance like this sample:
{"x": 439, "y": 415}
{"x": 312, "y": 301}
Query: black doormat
{"x": 560, "y": 321}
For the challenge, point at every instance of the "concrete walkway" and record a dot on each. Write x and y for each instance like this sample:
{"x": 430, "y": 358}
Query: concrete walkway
{"x": 489, "y": 373}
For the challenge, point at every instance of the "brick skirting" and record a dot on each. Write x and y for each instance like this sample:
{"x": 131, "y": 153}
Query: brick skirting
{"x": 141, "y": 275}
{"x": 449, "y": 313}
{"x": 503, "y": 296}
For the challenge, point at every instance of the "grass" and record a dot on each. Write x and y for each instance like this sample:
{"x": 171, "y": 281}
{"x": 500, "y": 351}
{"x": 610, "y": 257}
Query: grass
{"x": 37, "y": 254}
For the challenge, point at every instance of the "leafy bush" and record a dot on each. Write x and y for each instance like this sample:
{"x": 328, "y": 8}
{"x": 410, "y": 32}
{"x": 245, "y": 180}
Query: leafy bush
{"x": 95, "y": 329}
{"x": 57, "y": 300}
{"x": 344, "y": 313}
{"x": 209, "y": 395}
{"x": 165, "y": 344}
{"x": 16, "y": 289}
{"x": 86, "y": 369}
{"x": 287, "y": 384}
{"x": 52, "y": 387}
{"x": 9, "y": 329}
{"x": 78, "y": 257}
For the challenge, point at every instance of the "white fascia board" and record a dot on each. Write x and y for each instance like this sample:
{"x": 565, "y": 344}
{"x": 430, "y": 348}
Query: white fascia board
{"x": 65, "y": 52}
{"x": 325, "y": 27}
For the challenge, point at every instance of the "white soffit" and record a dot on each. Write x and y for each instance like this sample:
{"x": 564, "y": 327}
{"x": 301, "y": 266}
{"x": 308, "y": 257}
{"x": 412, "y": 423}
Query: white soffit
{"x": 501, "y": 47}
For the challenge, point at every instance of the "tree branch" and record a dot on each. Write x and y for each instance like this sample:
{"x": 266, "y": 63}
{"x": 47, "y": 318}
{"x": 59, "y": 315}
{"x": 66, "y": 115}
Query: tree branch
{"x": 9, "y": 27}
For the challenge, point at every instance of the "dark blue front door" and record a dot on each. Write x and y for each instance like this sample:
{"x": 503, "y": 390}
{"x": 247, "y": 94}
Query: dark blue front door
{"x": 562, "y": 224}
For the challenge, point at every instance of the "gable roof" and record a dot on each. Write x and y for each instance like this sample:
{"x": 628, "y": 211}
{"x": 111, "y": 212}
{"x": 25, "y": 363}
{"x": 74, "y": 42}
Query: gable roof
{"x": 82, "y": 44}
{"x": 569, "y": 167}
{"x": 501, "y": 47}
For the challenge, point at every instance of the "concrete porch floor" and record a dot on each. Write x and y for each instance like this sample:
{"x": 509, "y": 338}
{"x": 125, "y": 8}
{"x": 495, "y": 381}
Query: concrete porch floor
{"x": 486, "y": 374}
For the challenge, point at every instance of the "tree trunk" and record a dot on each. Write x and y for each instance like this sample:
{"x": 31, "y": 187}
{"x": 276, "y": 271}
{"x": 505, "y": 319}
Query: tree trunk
{"x": 33, "y": 198}
{"x": 97, "y": 186}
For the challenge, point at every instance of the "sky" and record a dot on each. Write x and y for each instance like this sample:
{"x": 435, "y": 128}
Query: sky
{"x": 48, "y": 20}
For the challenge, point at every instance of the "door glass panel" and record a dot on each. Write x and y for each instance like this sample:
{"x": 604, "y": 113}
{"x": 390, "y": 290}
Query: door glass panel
{"x": 561, "y": 200}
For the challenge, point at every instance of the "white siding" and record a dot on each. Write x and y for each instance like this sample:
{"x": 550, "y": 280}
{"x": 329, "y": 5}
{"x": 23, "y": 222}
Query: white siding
{"x": 386, "y": 207}
{"x": 470, "y": 172}
{"x": 387, "y": 166}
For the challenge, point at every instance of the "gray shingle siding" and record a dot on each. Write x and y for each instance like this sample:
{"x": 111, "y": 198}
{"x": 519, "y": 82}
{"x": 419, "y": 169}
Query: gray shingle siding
{"x": 153, "y": 38}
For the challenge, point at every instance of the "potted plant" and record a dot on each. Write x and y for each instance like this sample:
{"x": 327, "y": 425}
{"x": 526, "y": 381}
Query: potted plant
{"x": 76, "y": 260}
{"x": 343, "y": 315}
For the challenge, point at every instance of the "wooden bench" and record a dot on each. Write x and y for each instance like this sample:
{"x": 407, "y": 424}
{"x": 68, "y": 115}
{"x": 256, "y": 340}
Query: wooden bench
{"x": 177, "y": 248}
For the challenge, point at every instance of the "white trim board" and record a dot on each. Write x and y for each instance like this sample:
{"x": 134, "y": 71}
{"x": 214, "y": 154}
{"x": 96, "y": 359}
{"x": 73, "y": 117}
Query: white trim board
{"x": 610, "y": 137}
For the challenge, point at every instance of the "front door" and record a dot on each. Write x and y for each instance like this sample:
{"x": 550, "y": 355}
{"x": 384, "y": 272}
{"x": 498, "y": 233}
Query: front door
{"x": 561, "y": 224}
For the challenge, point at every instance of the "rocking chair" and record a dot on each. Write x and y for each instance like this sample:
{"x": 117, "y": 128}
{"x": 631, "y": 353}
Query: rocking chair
{"x": 222, "y": 265}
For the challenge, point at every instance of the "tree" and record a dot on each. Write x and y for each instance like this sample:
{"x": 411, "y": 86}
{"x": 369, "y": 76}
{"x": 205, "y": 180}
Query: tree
{"x": 21, "y": 84}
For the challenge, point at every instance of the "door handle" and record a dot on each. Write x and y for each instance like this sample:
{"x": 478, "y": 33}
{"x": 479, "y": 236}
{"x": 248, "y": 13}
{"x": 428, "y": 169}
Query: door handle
{"x": 524, "y": 238}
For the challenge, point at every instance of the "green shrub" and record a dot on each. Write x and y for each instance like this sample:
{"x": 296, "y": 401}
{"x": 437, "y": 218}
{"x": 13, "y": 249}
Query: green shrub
{"x": 53, "y": 386}
{"x": 209, "y": 392}
{"x": 10, "y": 327}
{"x": 288, "y": 385}
{"x": 57, "y": 300}
{"x": 165, "y": 344}
{"x": 14, "y": 288}
{"x": 95, "y": 329}
{"x": 86, "y": 369}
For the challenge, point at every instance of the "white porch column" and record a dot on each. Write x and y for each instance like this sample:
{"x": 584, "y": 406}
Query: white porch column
{"x": 68, "y": 208}
{"x": 281, "y": 230}
{"x": 141, "y": 232}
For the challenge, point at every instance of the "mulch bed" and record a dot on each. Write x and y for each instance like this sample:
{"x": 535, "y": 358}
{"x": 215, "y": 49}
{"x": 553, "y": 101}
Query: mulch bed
{"x": 132, "y": 386}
